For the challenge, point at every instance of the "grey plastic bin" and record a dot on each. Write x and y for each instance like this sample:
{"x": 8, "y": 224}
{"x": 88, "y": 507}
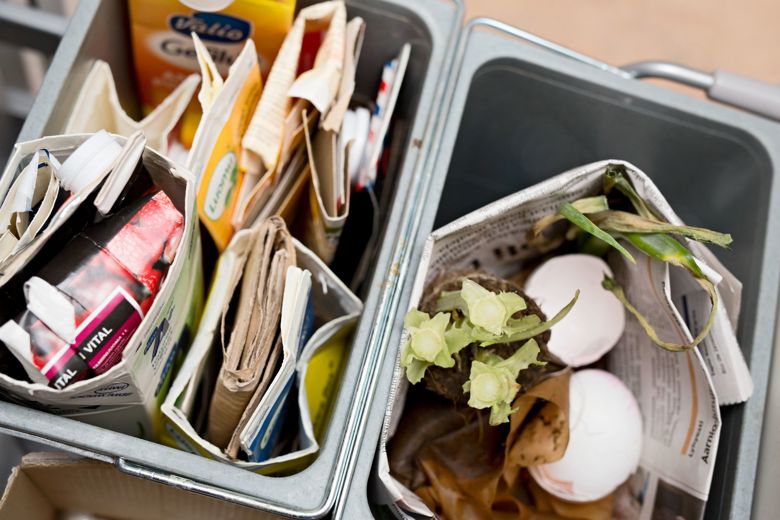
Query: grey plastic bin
{"x": 99, "y": 29}
{"x": 518, "y": 115}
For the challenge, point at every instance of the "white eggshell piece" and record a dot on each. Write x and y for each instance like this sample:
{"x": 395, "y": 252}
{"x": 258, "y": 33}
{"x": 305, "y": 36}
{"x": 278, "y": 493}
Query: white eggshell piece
{"x": 595, "y": 323}
{"x": 605, "y": 440}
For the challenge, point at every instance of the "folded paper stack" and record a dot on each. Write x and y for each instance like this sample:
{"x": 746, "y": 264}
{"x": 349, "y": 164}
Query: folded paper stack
{"x": 274, "y": 312}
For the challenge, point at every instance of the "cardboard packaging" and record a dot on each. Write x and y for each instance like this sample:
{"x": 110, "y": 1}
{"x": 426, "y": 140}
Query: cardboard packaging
{"x": 51, "y": 486}
{"x": 127, "y": 397}
{"x": 107, "y": 276}
{"x": 213, "y": 158}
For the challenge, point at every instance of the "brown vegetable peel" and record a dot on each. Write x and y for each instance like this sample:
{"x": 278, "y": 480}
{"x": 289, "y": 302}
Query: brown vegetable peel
{"x": 476, "y": 471}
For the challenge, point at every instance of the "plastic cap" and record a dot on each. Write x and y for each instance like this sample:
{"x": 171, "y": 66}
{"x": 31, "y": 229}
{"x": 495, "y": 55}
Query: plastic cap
{"x": 89, "y": 161}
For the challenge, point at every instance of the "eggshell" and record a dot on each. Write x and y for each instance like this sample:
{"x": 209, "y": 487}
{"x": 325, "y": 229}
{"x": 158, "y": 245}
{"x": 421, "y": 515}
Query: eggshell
{"x": 605, "y": 440}
{"x": 595, "y": 323}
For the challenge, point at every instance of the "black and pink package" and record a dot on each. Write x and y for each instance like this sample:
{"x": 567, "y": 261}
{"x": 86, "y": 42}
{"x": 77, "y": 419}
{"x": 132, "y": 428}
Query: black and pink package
{"x": 110, "y": 274}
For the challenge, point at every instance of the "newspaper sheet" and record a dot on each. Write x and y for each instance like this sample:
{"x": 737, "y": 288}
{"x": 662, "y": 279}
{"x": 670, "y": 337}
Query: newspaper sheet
{"x": 318, "y": 87}
{"x": 678, "y": 395}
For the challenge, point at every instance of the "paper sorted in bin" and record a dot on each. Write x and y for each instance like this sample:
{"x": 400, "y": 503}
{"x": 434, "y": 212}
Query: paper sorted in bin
{"x": 29, "y": 203}
{"x": 276, "y": 126}
{"x": 251, "y": 343}
{"x": 31, "y": 218}
{"x": 118, "y": 264}
{"x": 389, "y": 89}
{"x": 267, "y": 409}
{"x": 680, "y": 442}
{"x": 115, "y": 188}
{"x": 319, "y": 86}
{"x": 248, "y": 168}
{"x": 325, "y": 210}
{"x": 310, "y": 363}
{"x": 371, "y": 148}
{"x": 355, "y": 130}
{"x": 328, "y": 154}
{"x": 164, "y": 53}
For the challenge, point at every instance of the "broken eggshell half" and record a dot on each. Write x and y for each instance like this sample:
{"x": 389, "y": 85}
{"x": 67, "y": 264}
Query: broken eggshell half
{"x": 595, "y": 324}
{"x": 605, "y": 440}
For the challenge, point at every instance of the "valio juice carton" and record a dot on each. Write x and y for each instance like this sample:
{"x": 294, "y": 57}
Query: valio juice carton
{"x": 164, "y": 52}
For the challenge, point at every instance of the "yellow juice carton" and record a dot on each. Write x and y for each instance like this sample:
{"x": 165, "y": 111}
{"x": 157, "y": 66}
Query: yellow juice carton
{"x": 213, "y": 159}
{"x": 164, "y": 53}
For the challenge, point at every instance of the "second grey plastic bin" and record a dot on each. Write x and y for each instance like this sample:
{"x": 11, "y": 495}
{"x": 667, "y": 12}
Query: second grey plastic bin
{"x": 99, "y": 30}
{"x": 517, "y": 116}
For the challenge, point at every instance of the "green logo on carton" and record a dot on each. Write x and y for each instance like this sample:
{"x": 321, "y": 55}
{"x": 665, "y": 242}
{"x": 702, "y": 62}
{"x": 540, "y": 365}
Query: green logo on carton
{"x": 221, "y": 184}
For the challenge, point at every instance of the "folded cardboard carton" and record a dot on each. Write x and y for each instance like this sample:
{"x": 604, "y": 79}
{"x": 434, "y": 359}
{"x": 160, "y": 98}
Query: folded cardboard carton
{"x": 126, "y": 397}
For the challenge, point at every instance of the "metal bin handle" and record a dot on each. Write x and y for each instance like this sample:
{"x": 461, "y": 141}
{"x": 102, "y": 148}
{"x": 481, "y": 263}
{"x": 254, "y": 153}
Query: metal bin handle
{"x": 727, "y": 87}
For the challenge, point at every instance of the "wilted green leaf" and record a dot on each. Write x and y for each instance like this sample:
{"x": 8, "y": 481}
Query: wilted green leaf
{"x": 615, "y": 177}
{"x": 666, "y": 249}
{"x": 611, "y": 285}
{"x": 584, "y": 206}
{"x": 590, "y": 245}
{"x": 581, "y": 221}
{"x": 623, "y": 222}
